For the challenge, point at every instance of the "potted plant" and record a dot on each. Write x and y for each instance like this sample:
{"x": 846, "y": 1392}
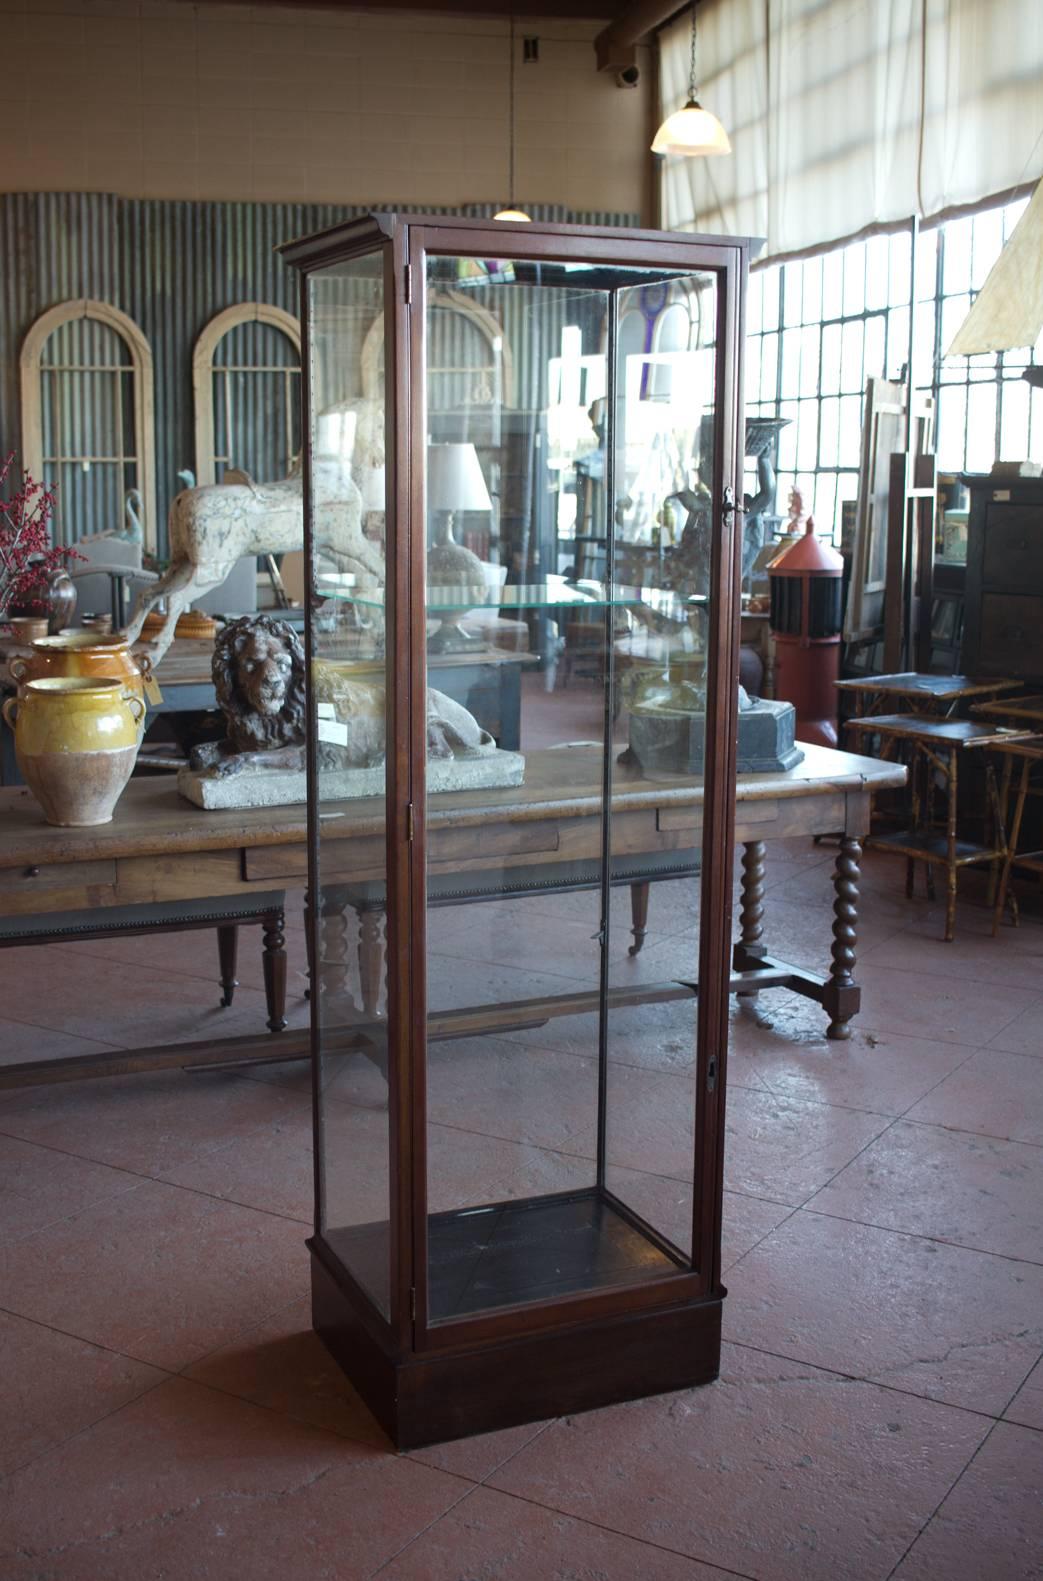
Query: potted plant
{"x": 32, "y": 569}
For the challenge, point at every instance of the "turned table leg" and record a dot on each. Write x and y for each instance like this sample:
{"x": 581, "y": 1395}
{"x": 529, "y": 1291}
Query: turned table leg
{"x": 639, "y": 893}
{"x": 841, "y": 994}
{"x": 332, "y": 976}
{"x": 274, "y": 962}
{"x": 227, "y": 951}
{"x": 950, "y": 853}
{"x": 751, "y": 908}
{"x": 371, "y": 959}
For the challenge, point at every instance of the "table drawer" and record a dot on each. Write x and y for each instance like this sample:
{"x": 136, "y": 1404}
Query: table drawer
{"x": 495, "y": 839}
{"x": 57, "y": 875}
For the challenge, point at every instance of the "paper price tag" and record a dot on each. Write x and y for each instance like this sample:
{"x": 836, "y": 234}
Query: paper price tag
{"x": 152, "y": 690}
{"x": 332, "y": 731}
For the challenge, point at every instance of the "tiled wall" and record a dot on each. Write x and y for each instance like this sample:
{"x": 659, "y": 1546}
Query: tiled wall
{"x": 166, "y": 99}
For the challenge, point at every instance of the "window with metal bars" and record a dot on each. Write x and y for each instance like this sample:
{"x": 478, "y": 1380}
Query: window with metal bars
{"x": 86, "y": 393}
{"x": 818, "y": 328}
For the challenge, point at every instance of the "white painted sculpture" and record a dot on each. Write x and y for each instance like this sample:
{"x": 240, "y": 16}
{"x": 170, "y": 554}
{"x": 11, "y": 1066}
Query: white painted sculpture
{"x": 212, "y": 527}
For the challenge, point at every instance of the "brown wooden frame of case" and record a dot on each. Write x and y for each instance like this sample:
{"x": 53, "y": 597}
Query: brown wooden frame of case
{"x": 426, "y": 1383}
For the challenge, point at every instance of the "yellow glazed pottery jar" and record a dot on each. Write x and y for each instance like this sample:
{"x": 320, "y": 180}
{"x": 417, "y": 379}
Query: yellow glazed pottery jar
{"x": 86, "y": 655}
{"x": 76, "y": 741}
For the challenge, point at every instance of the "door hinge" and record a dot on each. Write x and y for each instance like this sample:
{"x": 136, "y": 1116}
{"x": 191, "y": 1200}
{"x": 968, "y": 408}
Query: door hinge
{"x": 412, "y": 1304}
{"x": 711, "y": 1073}
{"x": 410, "y": 822}
{"x": 407, "y": 280}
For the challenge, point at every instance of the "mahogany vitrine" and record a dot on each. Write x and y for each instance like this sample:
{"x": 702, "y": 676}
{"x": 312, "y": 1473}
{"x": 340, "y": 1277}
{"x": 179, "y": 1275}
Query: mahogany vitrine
{"x": 522, "y": 442}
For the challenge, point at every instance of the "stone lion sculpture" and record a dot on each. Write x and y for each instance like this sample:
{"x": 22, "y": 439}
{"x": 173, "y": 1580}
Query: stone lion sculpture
{"x": 259, "y": 672}
{"x": 358, "y": 737}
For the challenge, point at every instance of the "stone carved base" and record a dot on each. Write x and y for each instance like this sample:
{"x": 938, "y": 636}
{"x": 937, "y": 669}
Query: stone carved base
{"x": 278, "y": 788}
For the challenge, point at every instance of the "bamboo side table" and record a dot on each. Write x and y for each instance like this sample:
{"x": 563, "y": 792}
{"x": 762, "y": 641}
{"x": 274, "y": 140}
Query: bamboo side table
{"x": 935, "y": 748}
{"x": 934, "y": 696}
{"x": 1030, "y": 752}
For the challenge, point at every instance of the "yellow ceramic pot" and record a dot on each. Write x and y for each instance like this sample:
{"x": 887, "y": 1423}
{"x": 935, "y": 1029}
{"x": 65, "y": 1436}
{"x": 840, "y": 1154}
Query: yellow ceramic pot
{"x": 86, "y": 655}
{"x": 76, "y": 741}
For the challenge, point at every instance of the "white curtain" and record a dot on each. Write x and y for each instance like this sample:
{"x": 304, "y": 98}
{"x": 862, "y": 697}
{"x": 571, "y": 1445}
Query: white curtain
{"x": 846, "y": 115}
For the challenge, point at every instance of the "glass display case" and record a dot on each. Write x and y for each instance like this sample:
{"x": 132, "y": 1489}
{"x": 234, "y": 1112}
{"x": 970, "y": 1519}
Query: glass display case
{"x": 521, "y": 446}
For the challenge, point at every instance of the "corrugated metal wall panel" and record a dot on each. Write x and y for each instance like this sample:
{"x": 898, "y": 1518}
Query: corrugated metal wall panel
{"x": 171, "y": 267}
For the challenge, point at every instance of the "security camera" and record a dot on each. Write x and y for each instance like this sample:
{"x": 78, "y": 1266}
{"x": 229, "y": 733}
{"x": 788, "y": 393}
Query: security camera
{"x": 629, "y": 77}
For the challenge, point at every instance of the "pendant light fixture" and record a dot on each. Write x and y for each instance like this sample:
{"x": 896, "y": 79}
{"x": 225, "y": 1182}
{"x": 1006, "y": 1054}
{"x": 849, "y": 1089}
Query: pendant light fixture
{"x": 511, "y": 214}
{"x": 691, "y": 130}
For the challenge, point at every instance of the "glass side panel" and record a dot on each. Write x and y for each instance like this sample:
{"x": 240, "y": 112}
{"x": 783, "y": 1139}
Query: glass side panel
{"x": 349, "y": 674}
{"x": 663, "y": 522}
{"x": 549, "y": 581}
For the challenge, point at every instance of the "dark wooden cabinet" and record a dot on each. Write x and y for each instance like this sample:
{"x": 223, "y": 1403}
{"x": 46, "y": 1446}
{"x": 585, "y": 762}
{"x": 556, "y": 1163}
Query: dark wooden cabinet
{"x": 1003, "y": 616}
{"x": 518, "y": 1206}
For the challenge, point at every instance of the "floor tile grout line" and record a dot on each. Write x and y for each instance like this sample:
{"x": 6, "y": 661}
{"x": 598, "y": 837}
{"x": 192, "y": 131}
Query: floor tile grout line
{"x": 274, "y": 1410}
{"x": 83, "y": 948}
{"x": 760, "y": 1241}
{"x": 144, "y": 1180}
{"x": 867, "y": 1379}
{"x": 939, "y": 1240}
{"x": 947, "y": 977}
{"x": 372, "y": 1574}
{"x": 114, "y": 1048}
{"x": 951, "y": 1489}
{"x": 940, "y": 1082}
{"x": 1003, "y": 1414}
{"x": 142, "y": 1176}
{"x": 960, "y": 1130}
{"x": 251, "y": 1327}
{"x": 88, "y": 1427}
{"x": 81, "y": 1339}
{"x": 615, "y": 1531}
{"x": 64, "y": 1218}
{"x": 854, "y": 1157}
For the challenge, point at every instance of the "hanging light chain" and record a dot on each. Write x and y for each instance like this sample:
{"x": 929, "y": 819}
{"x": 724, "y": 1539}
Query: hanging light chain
{"x": 691, "y": 58}
{"x": 510, "y": 179}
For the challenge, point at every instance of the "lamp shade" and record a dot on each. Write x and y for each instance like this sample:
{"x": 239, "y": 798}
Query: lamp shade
{"x": 454, "y": 479}
{"x": 1008, "y": 310}
{"x": 335, "y": 434}
{"x": 514, "y": 217}
{"x": 691, "y": 130}
{"x": 374, "y": 489}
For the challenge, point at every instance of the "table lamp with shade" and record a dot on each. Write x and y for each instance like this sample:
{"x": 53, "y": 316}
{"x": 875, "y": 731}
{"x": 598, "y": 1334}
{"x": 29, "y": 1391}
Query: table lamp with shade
{"x": 454, "y": 574}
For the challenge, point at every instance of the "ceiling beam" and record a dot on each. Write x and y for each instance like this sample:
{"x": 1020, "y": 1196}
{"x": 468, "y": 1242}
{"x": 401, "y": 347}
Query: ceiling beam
{"x": 494, "y": 10}
{"x": 615, "y": 45}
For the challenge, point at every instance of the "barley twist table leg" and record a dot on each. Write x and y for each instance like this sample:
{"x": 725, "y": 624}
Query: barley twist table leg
{"x": 751, "y": 912}
{"x": 845, "y": 936}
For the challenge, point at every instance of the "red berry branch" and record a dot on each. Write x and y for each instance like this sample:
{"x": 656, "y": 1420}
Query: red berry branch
{"x": 27, "y": 556}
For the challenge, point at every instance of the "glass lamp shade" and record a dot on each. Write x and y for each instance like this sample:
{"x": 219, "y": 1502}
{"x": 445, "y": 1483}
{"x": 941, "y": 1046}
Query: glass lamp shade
{"x": 374, "y": 489}
{"x": 514, "y": 216}
{"x": 335, "y": 434}
{"x": 691, "y": 130}
{"x": 454, "y": 479}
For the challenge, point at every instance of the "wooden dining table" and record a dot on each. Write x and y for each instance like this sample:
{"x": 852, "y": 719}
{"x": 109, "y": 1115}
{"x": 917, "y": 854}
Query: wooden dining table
{"x": 482, "y": 844}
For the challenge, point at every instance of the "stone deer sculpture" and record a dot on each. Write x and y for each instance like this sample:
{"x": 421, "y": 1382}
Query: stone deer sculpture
{"x": 213, "y": 526}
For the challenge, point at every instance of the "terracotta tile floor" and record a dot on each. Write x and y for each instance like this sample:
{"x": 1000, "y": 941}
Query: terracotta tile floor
{"x": 167, "y": 1415}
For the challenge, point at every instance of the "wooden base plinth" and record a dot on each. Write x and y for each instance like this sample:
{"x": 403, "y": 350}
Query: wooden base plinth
{"x": 431, "y": 1398}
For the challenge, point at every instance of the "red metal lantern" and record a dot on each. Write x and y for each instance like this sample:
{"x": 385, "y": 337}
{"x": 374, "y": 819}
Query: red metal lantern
{"x": 805, "y": 623}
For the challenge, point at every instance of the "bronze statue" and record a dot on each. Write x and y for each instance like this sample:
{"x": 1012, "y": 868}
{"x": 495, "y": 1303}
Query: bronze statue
{"x": 258, "y": 671}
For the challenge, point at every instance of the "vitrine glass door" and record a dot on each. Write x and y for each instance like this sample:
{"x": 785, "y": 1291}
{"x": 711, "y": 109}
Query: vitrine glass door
{"x": 570, "y": 507}
{"x": 352, "y": 714}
